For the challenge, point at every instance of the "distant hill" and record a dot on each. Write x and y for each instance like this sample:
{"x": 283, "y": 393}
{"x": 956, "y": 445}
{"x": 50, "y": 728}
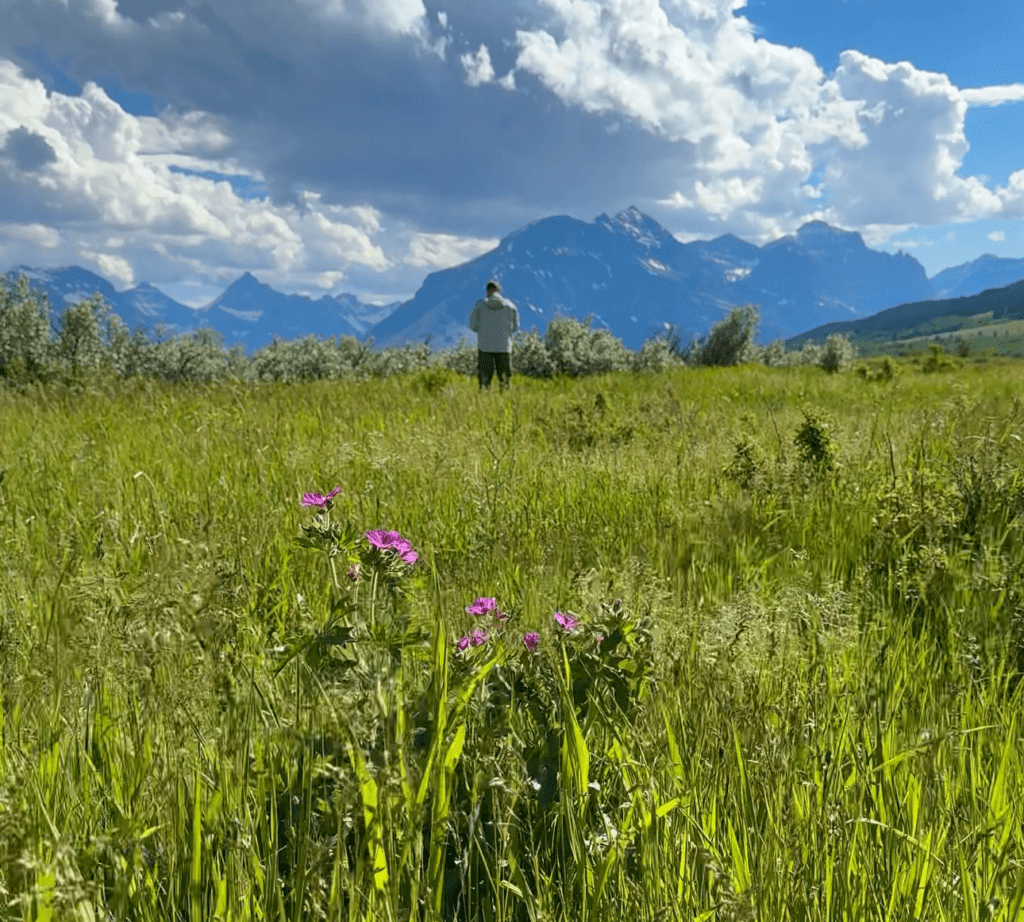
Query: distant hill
{"x": 906, "y": 320}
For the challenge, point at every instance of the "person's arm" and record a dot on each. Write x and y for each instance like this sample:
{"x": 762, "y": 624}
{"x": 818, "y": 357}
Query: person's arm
{"x": 474, "y": 318}
{"x": 515, "y": 318}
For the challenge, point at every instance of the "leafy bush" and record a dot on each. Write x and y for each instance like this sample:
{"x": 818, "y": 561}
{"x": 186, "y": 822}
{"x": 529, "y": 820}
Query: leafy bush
{"x": 24, "y": 331}
{"x": 813, "y": 441}
{"x": 748, "y": 465}
{"x": 730, "y": 342}
{"x": 577, "y": 350}
{"x": 461, "y": 358}
{"x": 775, "y": 354}
{"x": 938, "y": 360}
{"x": 656, "y": 354}
{"x": 837, "y": 353}
{"x": 530, "y": 356}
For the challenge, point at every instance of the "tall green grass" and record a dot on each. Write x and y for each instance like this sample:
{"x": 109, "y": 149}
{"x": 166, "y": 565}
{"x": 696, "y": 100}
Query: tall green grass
{"x": 805, "y": 707}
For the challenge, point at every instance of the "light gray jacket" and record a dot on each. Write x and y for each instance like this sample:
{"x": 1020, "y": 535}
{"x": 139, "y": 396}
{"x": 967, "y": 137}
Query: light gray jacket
{"x": 494, "y": 320}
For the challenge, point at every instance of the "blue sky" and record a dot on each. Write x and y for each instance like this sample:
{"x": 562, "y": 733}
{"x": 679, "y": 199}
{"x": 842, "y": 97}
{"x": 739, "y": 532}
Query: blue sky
{"x": 333, "y": 146}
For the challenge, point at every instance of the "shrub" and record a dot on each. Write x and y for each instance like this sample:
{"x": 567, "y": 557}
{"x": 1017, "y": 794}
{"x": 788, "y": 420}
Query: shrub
{"x": 193, "y": 358}
{"x": 813, "y": 441}
{"x": 461, "y": 358}
{"x": 938, "y": 360}
{"x": 656, "y": 354}
{"x": 577, "y": 350}
{"x": 837, "y": 353}
{"x": 530, "y": 356}
{"x": 79, "y": 343}
{"x": 747, "y": 467}
{"x": 775, "y": 354}
{"x": 730, "y": 342}
{"x": 24, "y": 330}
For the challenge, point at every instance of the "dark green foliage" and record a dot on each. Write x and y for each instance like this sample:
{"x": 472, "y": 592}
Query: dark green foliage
{"x": 747, "y": 467}
{"x": 813, "y": 442}
{"x": 937, "y": 360}
{"x": 592, "y": 424}
{"x": 730, "y": 342}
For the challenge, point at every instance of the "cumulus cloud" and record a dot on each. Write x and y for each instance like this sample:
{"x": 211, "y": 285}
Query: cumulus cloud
{"x": 440, "y": 251}
{"x": 889, "y": 135}
{"x": 116, "y": 167}
{"x": 478, "y": 66}
{"x": 35, "y": 234}
{"x": 998, "y": 236}
{"x": 313, "y": 143}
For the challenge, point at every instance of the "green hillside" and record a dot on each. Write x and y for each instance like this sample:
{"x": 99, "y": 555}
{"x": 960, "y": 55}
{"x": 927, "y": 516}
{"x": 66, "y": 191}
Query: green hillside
{"x": 985, "y": 317}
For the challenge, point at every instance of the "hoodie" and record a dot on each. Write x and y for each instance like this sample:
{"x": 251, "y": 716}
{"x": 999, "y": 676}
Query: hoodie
{"x": 494, "y": 320}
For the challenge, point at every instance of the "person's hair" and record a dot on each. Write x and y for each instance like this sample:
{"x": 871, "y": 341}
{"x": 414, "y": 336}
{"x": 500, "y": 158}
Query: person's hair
{"x": 493, "y": 286}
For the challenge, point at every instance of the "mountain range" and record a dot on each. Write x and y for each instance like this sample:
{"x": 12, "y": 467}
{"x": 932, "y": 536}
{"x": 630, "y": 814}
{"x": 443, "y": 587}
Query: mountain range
{"x": 247, "y": 311}
{"x": 627, "y": 271}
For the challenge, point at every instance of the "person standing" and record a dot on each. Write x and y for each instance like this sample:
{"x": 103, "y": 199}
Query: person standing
{"x": 494, "y": 320}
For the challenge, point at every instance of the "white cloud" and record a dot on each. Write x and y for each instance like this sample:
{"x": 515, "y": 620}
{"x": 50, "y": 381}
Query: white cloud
{"x": 112, "y": 169}
{"x": 399, "y": 17}
{"x": 117, "y": 270}
{"x": 35, "y": 234}
{"x": 442, "y": 251}
{"x": 328, "y": 280}
{"x": 993, "y": 95}
{"x": 760, "y": 116}
{"x": 721, "y": 197}
{"x": 478, "y": 66}
{"x": 997, "y": 235}
{"x": 508, "y": 82}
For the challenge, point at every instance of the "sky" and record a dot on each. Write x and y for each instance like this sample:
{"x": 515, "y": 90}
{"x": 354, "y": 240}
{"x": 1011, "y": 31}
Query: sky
{"x": 332, "y": 146}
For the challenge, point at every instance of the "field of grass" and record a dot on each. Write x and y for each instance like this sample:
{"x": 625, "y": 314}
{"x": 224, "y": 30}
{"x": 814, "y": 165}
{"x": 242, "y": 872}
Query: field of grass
{"x": 984, "y": 336}
{"x": 791, "y": 693}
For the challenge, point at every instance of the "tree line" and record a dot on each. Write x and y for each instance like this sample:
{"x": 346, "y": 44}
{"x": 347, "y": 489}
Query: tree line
{"x": 89, "y": 339}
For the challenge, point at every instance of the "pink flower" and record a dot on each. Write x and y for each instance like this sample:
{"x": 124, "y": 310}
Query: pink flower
{"x": 353, "y": 572}
{"x": 531, "y": 639}
{"x": 315, "y": 499}
{"x": 481, "y": 607}
{"x": 566, "y": 622}
{"x": 462, "y": 644}
{"x": 600, "y": 638}
{"x": 478, "y": 636}
{"x": 392, "y": 541}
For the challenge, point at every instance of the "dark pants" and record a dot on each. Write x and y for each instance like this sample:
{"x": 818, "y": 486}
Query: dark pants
{"x": 489, "y": 362}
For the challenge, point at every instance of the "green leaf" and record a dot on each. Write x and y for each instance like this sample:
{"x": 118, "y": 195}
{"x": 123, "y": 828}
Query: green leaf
{"x": 455, "y": 748}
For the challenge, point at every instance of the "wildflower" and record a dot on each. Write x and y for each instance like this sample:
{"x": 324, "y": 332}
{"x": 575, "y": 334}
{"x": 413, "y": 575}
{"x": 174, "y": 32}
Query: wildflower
{"x": 462, "y": 644}
{"x": 353, "y": 572}
{"x": 566, "y": 622}
{"x": 500, "y": 615}
{"x": 531, "y": 639}
{"x": 392, "y": 541}
{"x": 315, "y": 499}
{"x": 600, "y": 638}
{"x": 481, "y": 607}
{"x": 478, "y": 636}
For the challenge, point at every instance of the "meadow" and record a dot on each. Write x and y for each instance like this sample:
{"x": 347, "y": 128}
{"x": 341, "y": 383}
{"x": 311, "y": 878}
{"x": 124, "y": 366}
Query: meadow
{"x": 783, "y": 683}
